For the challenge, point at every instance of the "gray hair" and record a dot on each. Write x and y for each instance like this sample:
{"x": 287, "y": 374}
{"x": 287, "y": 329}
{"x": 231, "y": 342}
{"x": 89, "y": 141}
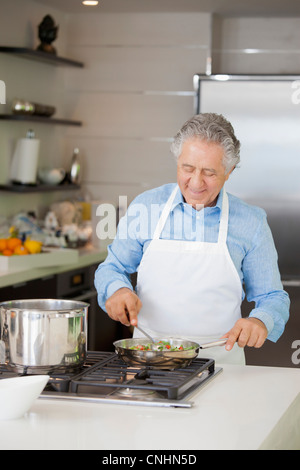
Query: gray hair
{"x": 210, "y": 127}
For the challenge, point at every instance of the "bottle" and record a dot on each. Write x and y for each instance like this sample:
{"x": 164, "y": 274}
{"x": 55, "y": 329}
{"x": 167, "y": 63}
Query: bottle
{"x": 76, "y": 168}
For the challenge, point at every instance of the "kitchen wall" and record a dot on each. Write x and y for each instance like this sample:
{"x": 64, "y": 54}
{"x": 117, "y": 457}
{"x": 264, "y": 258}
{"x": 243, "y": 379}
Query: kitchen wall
{"x": 134, "y": 93}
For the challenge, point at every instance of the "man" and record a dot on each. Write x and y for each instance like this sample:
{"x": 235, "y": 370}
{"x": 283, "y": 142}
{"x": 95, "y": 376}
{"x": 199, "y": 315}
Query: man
{"x": 194, "y": 256}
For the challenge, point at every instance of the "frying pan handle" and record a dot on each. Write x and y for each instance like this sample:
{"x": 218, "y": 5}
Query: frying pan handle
{"x": 220, "y": 342}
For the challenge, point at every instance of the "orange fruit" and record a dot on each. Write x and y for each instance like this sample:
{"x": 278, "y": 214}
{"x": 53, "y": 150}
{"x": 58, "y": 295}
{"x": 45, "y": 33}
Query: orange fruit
{"x": 3, "y": 244}
{"x": 7, "y": 252}
{"x": 21, "y": 250}
{"x": 13, "y": 242}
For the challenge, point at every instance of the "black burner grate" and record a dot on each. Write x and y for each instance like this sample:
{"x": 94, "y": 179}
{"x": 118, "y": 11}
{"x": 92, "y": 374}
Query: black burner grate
{"x": 112, "y": 373}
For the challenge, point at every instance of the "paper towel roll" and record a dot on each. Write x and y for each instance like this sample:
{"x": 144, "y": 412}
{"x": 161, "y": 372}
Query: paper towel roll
{"x": 25, "y": 161}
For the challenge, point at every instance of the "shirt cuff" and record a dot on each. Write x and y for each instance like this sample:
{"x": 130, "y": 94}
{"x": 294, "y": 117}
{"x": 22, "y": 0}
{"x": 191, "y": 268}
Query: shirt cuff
{"x": 114, "y": 286}
{"x": 264, "y": 317}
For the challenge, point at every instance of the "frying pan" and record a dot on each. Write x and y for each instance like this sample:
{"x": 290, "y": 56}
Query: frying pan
{"x": 160, "y": 359}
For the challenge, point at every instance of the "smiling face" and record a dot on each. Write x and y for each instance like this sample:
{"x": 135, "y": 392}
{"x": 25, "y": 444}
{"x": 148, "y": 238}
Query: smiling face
{"x": 201, "y": 172}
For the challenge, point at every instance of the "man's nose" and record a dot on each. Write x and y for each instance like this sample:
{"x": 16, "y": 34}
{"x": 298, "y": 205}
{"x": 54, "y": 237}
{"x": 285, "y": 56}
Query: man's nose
{"x": 197, "y": 179}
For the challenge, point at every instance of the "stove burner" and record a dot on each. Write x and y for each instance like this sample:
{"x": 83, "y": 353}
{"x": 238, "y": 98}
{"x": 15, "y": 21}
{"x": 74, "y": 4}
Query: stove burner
{"x": 135, "y": 393}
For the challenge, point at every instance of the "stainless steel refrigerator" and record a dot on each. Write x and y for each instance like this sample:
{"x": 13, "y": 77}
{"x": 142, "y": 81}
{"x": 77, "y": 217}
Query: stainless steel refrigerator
{"x": 265, "y": 113}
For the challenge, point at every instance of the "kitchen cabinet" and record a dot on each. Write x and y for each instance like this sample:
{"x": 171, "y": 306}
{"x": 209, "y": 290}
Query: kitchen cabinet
{"x": 37, "y": 289}
{"x": 286, "y": 351}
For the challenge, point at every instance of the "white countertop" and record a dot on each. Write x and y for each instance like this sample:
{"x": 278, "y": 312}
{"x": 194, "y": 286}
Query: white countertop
{"x": 244, "y": 407}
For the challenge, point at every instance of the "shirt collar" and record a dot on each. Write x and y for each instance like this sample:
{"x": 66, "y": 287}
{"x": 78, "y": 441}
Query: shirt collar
{"x": 179, "y": 200}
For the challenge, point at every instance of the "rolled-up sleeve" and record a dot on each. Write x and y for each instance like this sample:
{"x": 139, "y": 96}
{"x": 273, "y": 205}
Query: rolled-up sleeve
{"x": 124, "y": 256}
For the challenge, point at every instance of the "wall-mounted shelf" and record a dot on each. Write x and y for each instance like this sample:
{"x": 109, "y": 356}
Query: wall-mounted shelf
{"x": 39, "y": 188}
{"x": 41, "y": 119}
{"x": 40, "y": 56}
{"x": 51, "y": 59}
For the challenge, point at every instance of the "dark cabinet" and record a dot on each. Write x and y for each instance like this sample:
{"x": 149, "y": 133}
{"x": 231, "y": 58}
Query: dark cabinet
{"x": 286, "y": 351}
{"x": 37, "y": 289}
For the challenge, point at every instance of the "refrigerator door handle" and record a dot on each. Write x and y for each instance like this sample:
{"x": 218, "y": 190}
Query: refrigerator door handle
{"x": 291, "y": 283}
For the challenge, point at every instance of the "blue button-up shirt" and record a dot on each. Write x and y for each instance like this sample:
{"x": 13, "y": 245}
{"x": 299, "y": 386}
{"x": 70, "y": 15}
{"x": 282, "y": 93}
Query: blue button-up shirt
{"x": 249, "y": 240}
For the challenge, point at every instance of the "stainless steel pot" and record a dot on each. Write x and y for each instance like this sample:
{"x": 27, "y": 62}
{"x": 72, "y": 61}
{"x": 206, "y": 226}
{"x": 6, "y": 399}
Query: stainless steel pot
{"x": 38, "y": 336}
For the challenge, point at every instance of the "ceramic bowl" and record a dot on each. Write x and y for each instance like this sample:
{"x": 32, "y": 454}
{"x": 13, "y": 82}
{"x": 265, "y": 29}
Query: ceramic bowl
{"x": 18, "y": 394}
{"x": 51, "y": 175}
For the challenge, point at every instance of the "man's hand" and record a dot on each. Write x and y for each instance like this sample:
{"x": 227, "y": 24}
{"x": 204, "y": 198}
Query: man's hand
{"x": 124, "y": 306}
{"x": 247, "y": 332}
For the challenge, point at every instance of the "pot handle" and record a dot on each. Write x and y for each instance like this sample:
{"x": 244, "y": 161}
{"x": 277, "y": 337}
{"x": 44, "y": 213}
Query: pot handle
{"x": 220, "y": 342}
{"x": 72, "y": 313}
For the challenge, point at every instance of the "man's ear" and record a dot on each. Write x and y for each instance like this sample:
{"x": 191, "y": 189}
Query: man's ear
{"x": 229, "y": 173}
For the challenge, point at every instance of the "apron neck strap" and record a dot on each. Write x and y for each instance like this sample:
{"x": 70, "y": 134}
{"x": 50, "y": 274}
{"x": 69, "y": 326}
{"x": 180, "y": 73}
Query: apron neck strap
{"x": 167, "y": 209}
{"x": 165, "y": 214}
{"x": 223, "y": 228}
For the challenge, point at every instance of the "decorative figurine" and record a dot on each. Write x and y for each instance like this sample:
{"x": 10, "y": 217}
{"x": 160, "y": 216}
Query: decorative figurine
{"x": 47, "y": 34}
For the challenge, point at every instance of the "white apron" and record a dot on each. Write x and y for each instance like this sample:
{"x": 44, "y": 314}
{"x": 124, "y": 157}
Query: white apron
{"x": 190, "y": 289}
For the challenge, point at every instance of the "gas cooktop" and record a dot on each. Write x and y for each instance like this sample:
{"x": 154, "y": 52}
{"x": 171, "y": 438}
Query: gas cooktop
{"x": 105, "y": 378}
